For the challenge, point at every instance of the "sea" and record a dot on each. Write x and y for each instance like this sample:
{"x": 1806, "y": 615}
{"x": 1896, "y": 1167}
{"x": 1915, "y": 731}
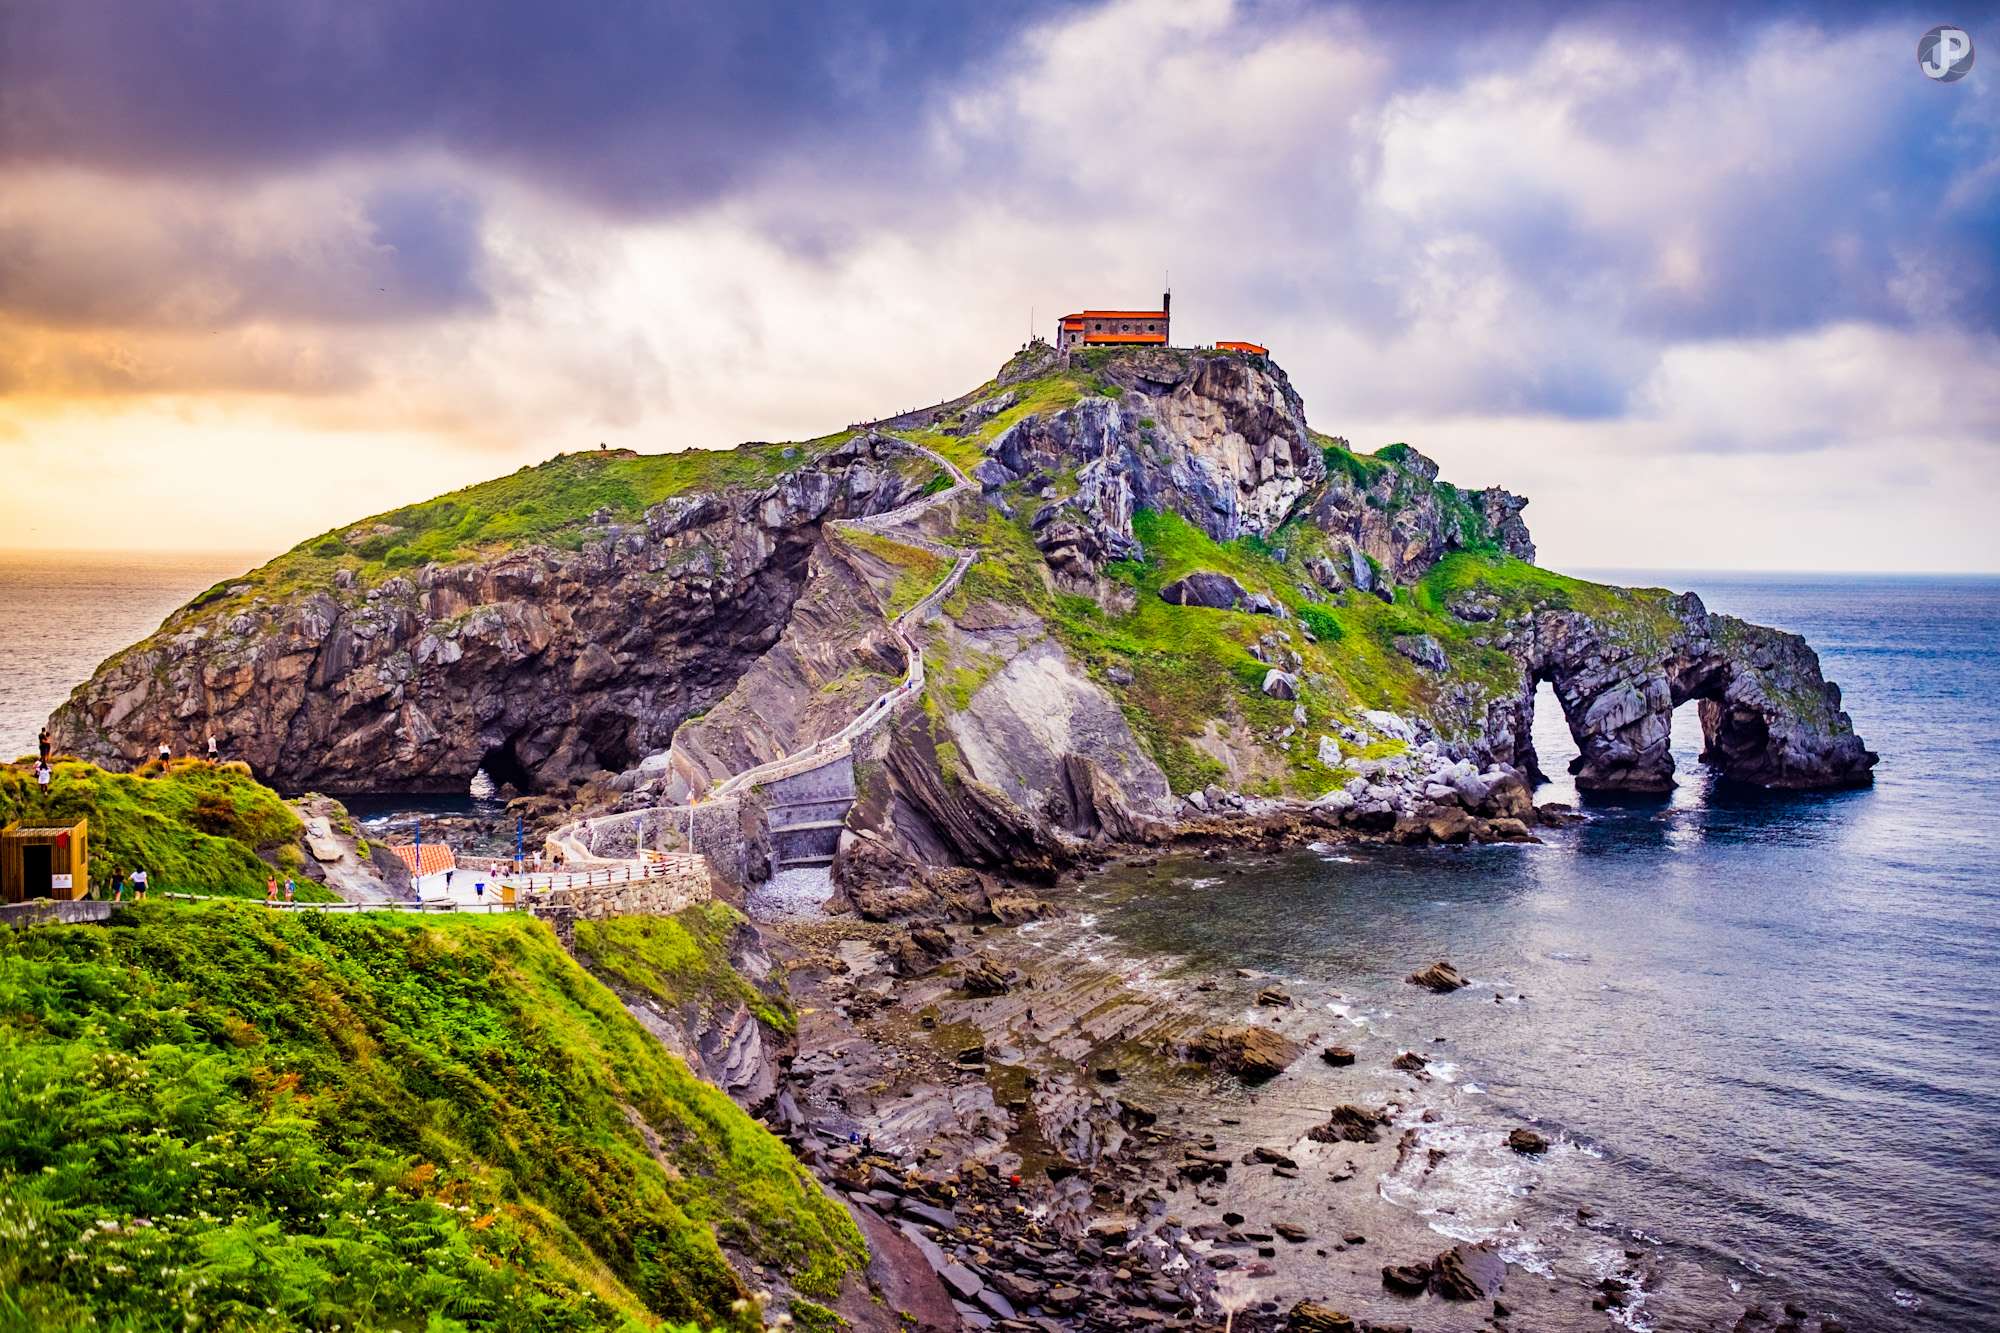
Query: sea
{"x": 1763, "y": 1030}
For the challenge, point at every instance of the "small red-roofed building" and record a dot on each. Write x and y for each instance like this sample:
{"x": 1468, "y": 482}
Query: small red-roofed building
{"x": 1116, "y": 328}
{"x": 1251, "y": 348}
{"x": 430, "y": 864}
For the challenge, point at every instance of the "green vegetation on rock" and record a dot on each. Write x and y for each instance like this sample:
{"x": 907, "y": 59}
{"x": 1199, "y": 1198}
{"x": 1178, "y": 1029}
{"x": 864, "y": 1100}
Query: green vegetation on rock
{"x": 555, "y": 504}
{"x": 913, "y": 572}
{"x": 680, "y": 959}
{"x": 195, "y": 827}
{"x": 223, "y": 1117}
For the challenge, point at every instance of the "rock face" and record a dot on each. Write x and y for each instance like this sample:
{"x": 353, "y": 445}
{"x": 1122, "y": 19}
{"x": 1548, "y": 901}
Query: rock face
{"x": 1205, "y": 588}
{"x": 1215, "y": 439}
{"x": 542, "y": 665}
{"x": 1768, "y": 716}
{"x": 836, "y": 654}
{"x": 648, "y": 657}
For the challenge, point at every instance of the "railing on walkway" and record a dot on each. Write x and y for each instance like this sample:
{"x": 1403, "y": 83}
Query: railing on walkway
{"x": 506, "y": 892}
{"x": 495, "y": 905}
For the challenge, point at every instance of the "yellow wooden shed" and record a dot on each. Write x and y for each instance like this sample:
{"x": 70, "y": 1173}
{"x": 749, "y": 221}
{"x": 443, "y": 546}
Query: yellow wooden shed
{"x": 44, "y": 861}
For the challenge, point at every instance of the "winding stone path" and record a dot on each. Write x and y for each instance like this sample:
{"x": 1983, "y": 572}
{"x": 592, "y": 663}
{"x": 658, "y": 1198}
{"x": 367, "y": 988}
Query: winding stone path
{"x": 837, "y": 748}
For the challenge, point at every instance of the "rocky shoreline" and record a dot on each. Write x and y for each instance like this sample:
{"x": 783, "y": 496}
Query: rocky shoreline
{"x": 1071, "y": 1141}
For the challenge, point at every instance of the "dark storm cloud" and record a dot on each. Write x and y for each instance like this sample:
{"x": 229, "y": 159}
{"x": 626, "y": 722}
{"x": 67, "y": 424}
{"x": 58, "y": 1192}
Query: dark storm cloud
{"x": 636, "y": 104}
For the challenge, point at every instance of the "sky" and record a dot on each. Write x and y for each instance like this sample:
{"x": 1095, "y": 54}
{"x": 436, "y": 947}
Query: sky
{"x": 1716, "y": 286}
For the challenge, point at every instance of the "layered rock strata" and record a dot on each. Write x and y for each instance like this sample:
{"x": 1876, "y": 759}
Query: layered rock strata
{"x": 542, "y": 665}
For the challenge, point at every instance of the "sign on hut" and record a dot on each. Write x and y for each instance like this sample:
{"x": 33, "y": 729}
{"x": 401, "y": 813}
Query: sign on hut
{"x": 38, "y": 861}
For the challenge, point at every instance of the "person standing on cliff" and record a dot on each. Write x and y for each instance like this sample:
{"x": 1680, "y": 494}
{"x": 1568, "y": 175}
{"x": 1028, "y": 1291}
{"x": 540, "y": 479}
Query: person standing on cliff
{"x": 42, "y": 776}
{"x": 214, "y": 751}
{"x": 45, "y": 745}
{"x": 166, "y": 753}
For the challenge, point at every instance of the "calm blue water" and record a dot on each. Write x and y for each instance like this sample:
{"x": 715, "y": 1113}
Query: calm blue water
{"x": 1770, "y": 1020}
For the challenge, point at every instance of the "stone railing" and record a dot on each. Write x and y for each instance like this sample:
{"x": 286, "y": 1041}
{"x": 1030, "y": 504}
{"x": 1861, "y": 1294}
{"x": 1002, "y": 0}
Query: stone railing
{"x": 660, "y": 894}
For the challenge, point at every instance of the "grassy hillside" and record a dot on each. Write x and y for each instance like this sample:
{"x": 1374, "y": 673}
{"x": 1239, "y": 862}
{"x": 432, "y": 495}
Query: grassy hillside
{"x": 681, "y": 958}
{"x": 556, "y": 503}
{"x": 1191, "y": 666}
{"x": 225, "y": 1118}
{"x": 194, "y": 827}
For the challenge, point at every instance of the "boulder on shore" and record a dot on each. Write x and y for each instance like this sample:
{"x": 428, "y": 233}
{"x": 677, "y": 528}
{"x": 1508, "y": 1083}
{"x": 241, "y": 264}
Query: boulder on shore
{"x": 985, "y": 978}
{"x": 1348, "y": 1124}
{"x": 1249, "y": 1052}
{"x": 1467, "y": 1273}
{"x": 1527, "y": 1141}
{"x": 1311, "y": 1317}
{"x": 1337, "y": 1056}
{"x": 1440, "y": 976}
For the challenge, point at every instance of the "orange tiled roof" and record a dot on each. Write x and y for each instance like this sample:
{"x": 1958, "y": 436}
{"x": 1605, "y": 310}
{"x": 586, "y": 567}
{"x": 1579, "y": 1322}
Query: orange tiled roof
{"x": 428, "y": 859}
{"x": 1244, "y": 347}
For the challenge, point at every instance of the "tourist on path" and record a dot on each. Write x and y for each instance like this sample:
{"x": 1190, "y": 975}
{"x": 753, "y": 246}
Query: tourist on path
{"x": 271, "y": 890}
{"x": 139, "y": 886}
{"x": 42, "y": 776}
{"x": 166, "y": 753}
{"x": 45, "y": 745}
{"x": 117, "y": 887}
{"x": 214, "y": 752}
{"x": 288, "y": 888}
{"x": 479, "y": 890}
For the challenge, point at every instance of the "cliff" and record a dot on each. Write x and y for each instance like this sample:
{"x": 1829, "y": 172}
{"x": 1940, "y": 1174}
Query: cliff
{"x": 544, "y": 626}
{"x": 1180, "y": 593}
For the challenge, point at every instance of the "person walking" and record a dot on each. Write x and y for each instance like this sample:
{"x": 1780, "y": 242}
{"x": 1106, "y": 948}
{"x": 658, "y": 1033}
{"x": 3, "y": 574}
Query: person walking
{"x": 479, "y": 890}
{"x": 214, "y": 751}
{"x": 166, "y": 753}
{"x": 288, "y": 888}
{"x": 42, "y": 776}
{"x": 271, "y": 891}
{"x": 139, "y": 882}
{"x": 117, "y": 887}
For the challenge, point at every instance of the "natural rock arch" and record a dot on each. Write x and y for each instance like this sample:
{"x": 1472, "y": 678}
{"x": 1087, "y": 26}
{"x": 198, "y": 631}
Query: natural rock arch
{"x": 1768, "y": 717}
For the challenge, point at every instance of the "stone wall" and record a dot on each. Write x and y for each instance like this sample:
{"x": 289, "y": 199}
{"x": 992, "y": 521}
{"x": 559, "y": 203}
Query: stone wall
{"x": 661, "y": 896}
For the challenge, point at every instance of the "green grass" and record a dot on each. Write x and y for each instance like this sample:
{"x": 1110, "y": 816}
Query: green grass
{"x": 220, "y": 1117}
{"x": 916, "y": 572}
{"x": 1191, "y": 666}
{"x": 681, "y": 959}
{"x": 551, "y": 504}
{"x": 197, "y": 828}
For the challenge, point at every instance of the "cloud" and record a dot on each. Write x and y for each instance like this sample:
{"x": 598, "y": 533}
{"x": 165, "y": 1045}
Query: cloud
{"x": 636, "y": 105}
{"x": 1696, "y": 245}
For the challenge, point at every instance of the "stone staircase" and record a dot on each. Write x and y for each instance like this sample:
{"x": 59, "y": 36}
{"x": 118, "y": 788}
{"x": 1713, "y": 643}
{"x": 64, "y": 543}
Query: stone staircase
{"x": 805, "y": 813}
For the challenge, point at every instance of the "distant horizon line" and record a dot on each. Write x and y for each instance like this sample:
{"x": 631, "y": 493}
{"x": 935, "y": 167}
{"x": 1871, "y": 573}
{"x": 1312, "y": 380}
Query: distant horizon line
{"x": 261, "y": 554}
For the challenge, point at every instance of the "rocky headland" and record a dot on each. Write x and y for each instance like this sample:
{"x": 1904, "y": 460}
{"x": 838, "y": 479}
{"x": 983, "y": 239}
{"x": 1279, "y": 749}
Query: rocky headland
{"x": 1117, "y": 612}
{"x": 1188, "y": 608}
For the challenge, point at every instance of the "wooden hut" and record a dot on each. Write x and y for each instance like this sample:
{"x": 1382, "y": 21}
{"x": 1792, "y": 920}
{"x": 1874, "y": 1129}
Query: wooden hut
{"x": 44, "y": 861}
